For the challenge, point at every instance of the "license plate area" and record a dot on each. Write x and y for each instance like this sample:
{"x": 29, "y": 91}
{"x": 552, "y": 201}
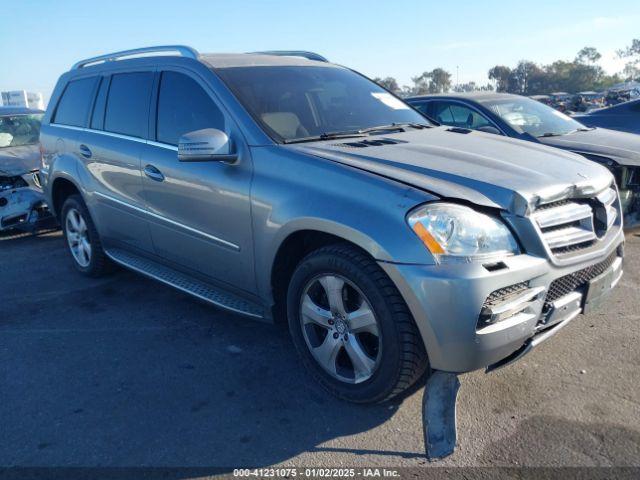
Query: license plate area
{"x": 598, "y": 288}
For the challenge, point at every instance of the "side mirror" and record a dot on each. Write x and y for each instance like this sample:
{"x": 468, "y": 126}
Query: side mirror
{"x": 207, "y": 145}
{"x": 489, "y": 129}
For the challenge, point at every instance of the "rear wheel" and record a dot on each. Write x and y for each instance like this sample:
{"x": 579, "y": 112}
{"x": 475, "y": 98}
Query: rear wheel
{"x": 351, "y": 326}
{"x": 82, "y": 238}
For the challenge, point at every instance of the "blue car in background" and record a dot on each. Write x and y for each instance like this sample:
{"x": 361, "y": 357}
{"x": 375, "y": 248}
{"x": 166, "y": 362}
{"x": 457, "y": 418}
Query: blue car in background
{"x": 526, "y": 119}
{"x": 624, "y": 117}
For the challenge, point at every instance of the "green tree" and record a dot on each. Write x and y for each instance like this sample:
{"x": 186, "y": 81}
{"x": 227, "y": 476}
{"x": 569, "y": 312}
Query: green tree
{"x": 500, "y": 74}
{"x": 437, "y": 80}
{"x": 389, "y": 83}
{"x": 632, "y": 52}
{"x": 527, "y": 78}
{"x": 588, "y": 55}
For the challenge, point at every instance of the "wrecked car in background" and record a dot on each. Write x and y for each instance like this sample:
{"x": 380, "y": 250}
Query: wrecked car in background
{"x": 22, "y": 203}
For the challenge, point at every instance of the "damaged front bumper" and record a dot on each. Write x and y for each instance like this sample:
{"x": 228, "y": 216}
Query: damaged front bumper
{"x": 471, "y": 317}
{"x": 22, "y": 203}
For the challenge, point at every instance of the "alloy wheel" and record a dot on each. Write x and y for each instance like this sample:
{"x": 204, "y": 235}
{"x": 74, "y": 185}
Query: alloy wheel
{"x": 78, "y": 237}
{"x": 340, "y": 328}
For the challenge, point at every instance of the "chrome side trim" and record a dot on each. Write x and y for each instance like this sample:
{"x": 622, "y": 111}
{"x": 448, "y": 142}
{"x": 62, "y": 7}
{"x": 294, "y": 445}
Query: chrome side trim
{"x": 68, "y": 127}
{"x": 162, "y": 145}
{"x": 116, "y": 135}
{"x": 100, "y": 132}
{"x": 172, "y": 222}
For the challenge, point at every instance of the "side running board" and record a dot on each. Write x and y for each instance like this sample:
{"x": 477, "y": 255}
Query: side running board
{"x": 186, "y": 283}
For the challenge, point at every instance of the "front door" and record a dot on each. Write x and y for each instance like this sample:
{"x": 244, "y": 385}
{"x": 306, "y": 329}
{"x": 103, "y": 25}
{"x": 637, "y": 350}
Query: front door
{"x": 199, "y": 212}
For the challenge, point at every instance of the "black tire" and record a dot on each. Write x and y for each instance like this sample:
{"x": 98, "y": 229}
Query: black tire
{"x": 99, "y": 264}
{"x": 403, "y": 359}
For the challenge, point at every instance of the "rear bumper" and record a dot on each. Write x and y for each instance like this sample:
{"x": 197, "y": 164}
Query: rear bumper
{"x": 447, "y": 301}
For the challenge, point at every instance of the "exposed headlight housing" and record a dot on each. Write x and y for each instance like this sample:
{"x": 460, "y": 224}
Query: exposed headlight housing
{"x": 455, "y": 232}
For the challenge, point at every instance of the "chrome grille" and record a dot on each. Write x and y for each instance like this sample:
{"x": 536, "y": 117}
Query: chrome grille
{"x": 569, "y": 226}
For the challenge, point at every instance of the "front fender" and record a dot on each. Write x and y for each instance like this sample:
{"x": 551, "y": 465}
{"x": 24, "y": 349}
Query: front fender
{"x": 293, "y": 192}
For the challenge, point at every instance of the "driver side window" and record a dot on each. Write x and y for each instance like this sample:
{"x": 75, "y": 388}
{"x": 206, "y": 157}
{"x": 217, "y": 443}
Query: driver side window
{"x": 183, "y": 107}
{"x": 459, "y": 115}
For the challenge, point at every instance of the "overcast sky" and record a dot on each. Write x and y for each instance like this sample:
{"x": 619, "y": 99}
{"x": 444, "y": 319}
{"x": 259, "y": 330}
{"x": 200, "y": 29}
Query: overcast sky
{"x": 41, "y": 39}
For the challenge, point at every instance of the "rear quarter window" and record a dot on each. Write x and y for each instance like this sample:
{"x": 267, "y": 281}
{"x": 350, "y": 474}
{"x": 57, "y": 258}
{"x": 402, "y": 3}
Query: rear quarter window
{"x": 127, "y": 109}
{"x": 73, "y": 107}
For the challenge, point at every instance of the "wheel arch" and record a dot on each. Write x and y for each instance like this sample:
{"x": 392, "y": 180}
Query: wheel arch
{"x": 61, "y": 188}
{"x": 298, "y": 243}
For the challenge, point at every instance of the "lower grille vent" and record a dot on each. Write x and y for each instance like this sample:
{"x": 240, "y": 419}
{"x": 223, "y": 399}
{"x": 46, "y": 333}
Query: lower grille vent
{"x": 576, "y": 280}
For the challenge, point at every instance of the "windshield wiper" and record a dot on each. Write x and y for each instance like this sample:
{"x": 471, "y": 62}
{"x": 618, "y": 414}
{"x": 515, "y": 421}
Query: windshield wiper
{"x": 327, "y": 136}
{"x": 357, "y": 133}
{"x": 394, "y": 126}
{"x": 551, "y": 134}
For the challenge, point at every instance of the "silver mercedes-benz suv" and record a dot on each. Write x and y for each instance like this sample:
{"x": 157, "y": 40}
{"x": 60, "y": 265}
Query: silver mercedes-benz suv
{"x": 285, "y": 187}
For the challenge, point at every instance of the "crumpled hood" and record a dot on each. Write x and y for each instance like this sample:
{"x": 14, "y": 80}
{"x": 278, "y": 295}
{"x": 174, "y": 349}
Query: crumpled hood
{"x": 482, "y": 168}
{"x": 621, "y": 147}
{"x": 19, "y": 160}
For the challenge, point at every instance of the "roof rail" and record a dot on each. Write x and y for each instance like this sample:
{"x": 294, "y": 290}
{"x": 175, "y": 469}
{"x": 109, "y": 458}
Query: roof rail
{"x": 294, "y": 53}
{"x": 110, "y": 57}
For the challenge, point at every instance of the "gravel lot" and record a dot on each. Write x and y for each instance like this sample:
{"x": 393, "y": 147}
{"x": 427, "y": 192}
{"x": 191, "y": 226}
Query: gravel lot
{"x": 123, "y": 371}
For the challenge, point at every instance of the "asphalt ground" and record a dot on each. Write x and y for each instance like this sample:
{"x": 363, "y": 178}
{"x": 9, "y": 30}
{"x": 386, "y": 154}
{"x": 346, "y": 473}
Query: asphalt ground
{"x": 123, "y": 371}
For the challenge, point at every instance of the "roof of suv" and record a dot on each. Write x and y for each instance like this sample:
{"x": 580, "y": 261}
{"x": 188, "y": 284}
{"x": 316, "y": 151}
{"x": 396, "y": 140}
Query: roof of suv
{"x": 475, "y": 96}
{"x": 213, "y": 60}
{"x": 230, "y": 60}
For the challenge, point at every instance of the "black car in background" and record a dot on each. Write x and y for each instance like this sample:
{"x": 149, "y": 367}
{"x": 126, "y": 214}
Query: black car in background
{"x": 526, "y": 119}
{"x": 624, "y": 117}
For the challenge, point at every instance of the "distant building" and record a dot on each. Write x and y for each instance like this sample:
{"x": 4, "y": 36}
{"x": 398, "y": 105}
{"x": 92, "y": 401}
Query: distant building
{"x": 22, "y": 98}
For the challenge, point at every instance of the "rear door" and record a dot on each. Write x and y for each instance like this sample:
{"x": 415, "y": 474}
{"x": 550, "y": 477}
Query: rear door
{"x": 200, "y": 216}
{"x": 111, "y": 147}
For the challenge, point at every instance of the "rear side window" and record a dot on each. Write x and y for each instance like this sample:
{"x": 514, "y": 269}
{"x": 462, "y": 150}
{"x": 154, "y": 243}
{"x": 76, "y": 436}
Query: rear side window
{"x": 97, "y": 117}
{"x": 183, "y": 107}
{"x": 73, "y": 108}
{"x": 127, "y": 109}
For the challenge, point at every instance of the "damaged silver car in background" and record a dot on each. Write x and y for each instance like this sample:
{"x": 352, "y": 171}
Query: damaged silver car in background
{"x": 22, "y": 204}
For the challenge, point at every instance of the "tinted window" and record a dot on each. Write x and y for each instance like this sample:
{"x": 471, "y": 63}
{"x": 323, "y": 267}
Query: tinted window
{"x": 442, "y": 113}
{"x": 422, "y": 107}
{"x": 183, "y": 107}
{"x": 459, "y": 115}
{"x": 128, "y": 104}
{"x": 73, "y": 108}
{"x": 97, "y": 118}
{"x": 466, "y": 117}
{"x": 293, "y": 102}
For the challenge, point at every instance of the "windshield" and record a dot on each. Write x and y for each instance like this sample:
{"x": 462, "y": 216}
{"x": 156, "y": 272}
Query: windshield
{"x": 532, "y": 117}
{"x": 296, "y": 102}
{"x": 19, "y": 130}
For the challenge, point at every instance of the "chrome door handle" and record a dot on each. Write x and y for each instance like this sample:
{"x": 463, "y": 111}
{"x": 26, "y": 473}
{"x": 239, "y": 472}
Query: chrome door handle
{"x": 153, "y": 173}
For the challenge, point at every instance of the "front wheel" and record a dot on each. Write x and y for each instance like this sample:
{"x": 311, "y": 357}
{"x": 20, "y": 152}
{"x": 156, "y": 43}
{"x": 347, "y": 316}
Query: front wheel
{"x": 351, "y": 327}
